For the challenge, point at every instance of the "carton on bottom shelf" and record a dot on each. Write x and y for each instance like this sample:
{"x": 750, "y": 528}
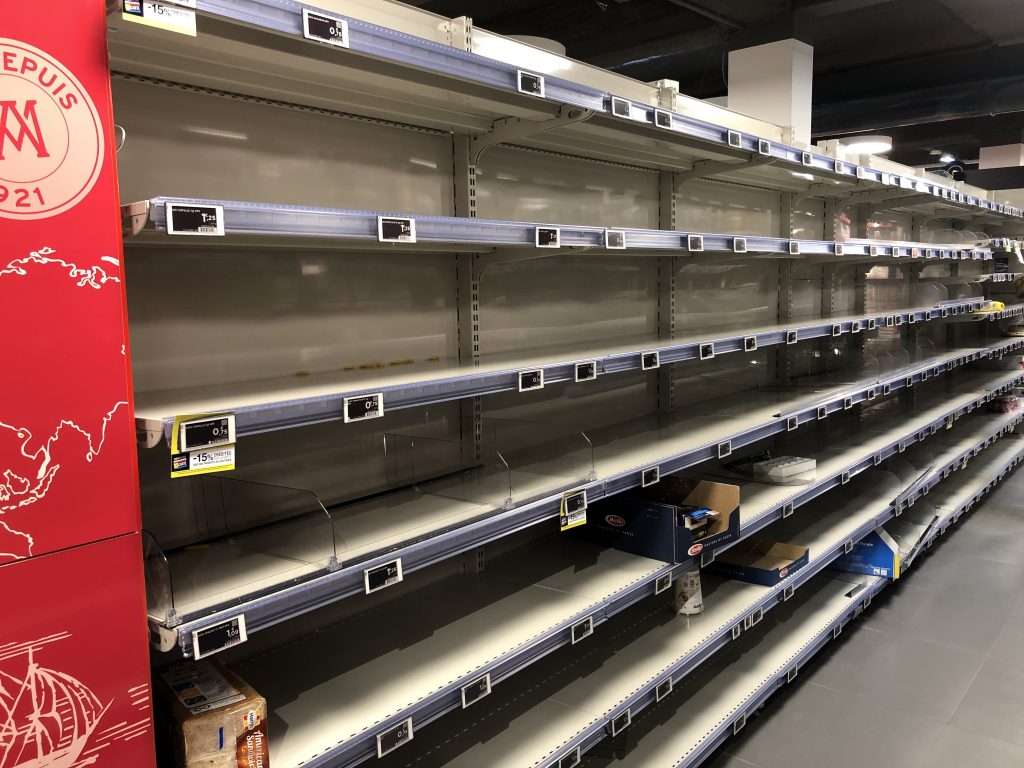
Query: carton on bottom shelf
{"x": 212, "y": 718}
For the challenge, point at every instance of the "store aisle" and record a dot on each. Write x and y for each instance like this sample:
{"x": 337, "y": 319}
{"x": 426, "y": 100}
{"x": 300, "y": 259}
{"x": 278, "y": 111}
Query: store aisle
{"x": 932, "y": 677}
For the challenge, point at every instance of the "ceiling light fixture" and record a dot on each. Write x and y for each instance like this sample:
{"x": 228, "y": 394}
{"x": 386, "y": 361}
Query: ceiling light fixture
{"x": 946, "y": 158}
{"x": 867, "y": 145}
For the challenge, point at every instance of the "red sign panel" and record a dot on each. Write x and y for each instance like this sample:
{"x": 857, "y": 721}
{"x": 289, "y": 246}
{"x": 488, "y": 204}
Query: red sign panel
{"x": 74, "y": 660}
{"x": 67, "y": 455}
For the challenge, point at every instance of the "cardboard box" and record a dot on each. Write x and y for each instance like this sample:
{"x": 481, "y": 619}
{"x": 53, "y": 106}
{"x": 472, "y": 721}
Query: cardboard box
{"x": 214, "y": 718}
{"x": 658, "y": 521}
{"x": 761, "y": 561}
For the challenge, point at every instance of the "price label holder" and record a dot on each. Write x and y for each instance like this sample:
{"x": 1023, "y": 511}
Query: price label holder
{"x": 662, "y": 119}
{"x": 530, "y": 380}
{"x": 195, "y": 220}
{"x": 392, "y": 229}
{"x": 476, "y": 690}
{"x": 621, "y": 723}
{"x": 650, "y": 476}
{"x": 324, "y": 28}
{"x": 650, "y": 360}
{"x": 739, "y": 245}
{"x": 695, "y": 243}
{"x": 547, "y": 237}
{"x": 573, "y": 509}
{"x": 663, "y": 583}
{"x": 394, "y": 737}
{"x": 211, "y": 640}
{"x": 794, "y": 248}
{"x": 382, "y": 576}
{"x": 582, "y": 629}
{"x": 169, "y": 15}
{"x": 586, "y": 370}
{"x": 363, "y": 407}
{"x": 663, "y": 689}
{"x": 202, "y": 443}
{"x": 530, "y": 84}
{"x": 615, "y": 239}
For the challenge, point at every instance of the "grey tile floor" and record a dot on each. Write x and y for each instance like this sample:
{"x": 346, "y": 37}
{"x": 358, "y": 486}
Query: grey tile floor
{"x": 931, "y": 677}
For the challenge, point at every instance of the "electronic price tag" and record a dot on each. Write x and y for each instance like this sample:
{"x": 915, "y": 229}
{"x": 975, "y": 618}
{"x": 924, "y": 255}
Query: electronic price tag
{"x": 392, "y": 229}
{"x": 363, "y": 407}
{"x": 734, "y": 139}
{"x": 663, "y": 583}
{"x": 662, "y": 119}
{"x": 650, "y": 476}
{"x": 621, "y": 107}
{"x": 324, "y": 28}
{"x": 739, "y": 245}
{"x": 530, "y": 84}
{"x": 614, "y": 239}
{"x": 382, "y": 576}
{"x": 621, "y": 723}
{"x": 476, "y": 690}
{"x": 571, "y": 760}
{"x": 586, "y": 370}
{"x": 582, "y": 629}
{"x": 547, "y": 237}
{"x": 202, "y": 443}
{"x": 394, "y": 737}
{"x": 211, "y": 640}
{"x": 573, "y": 509}
{"x": 530, "y": 380}
{"x": 195, "y": 220}
{"x": 664, "y": 689}
{"x": 650, "y": 360}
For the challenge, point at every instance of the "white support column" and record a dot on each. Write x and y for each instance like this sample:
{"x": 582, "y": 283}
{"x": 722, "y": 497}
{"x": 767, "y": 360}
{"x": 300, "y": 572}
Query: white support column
{"x": 773, "y": 82}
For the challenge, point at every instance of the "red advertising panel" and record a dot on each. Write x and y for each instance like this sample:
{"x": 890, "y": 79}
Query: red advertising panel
{"x": 74, "y": 666}
{"x": 67, "y": 456}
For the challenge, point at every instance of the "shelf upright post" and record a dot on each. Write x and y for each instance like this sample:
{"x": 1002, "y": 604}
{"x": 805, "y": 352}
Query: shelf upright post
{"x": 467, "y": 269}
{"x": 782, "y": 359}
{"x": 668, "y": 266}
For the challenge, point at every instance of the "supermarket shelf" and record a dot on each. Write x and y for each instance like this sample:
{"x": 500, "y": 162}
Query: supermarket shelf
{"x": 423, "y": 528}
{"x": 259, "y": 33}
{"x": 718, "y": 706}
{"x": 686, "y": 738}
{"x": 437, "y": 640}
{"x": 147, "y": 221}
{"x": 593, "y": 700}
{"x": 977, "y": 478}
{"x": 294, "y": 401}
{"x": 877, "y": 441}
{"x": 578, "y": 715}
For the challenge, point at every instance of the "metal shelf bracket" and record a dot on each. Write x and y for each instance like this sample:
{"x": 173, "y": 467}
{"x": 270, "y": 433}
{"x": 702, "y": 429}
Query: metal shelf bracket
{"x": 511, "y": 128}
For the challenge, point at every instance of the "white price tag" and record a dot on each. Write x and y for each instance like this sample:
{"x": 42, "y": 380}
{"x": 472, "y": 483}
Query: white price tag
{"x": 169, "y": 15}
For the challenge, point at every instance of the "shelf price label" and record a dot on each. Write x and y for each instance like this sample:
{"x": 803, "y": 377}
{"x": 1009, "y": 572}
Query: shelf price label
{"x": 324, "y": 28}
{"x": 476, "y": 690}
{"x": 195, "y": 220}
{"x": 363, "y": 407}
{"x": 394, "y": 737}
{"x": 170, "y": 15}
{"x": 201, "y": 444}
{"x": 573, "y": 511}
{"x": 383, "y": 576}
{"x": 211, "y": 640}
{"x": 392, "y": 229}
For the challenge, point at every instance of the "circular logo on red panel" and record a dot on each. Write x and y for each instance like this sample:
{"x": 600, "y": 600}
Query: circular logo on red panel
{"x": 695, "y": 550}
{"x": 51, "y": 138}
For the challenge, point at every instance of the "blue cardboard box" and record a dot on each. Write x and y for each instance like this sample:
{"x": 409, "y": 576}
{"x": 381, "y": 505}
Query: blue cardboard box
{"x": 674, "y": 520}
{"x": 761, "y": 562}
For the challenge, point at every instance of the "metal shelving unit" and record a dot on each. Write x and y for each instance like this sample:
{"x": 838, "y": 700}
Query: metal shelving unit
{"x": 633, "y": 667}
{"x": 460, "y": 527}
{"x": 615, "y": 118}
{"x": 608, "y": 342}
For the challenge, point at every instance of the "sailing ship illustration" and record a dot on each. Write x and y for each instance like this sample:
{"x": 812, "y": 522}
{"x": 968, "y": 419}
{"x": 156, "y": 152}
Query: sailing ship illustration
{"x": 46, "y": 718}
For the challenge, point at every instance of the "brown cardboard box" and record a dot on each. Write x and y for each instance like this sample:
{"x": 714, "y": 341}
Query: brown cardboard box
{"x": 216, "y": 719}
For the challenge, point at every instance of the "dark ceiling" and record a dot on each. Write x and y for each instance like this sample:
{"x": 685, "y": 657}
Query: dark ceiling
{"x": 930, "y": 72}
